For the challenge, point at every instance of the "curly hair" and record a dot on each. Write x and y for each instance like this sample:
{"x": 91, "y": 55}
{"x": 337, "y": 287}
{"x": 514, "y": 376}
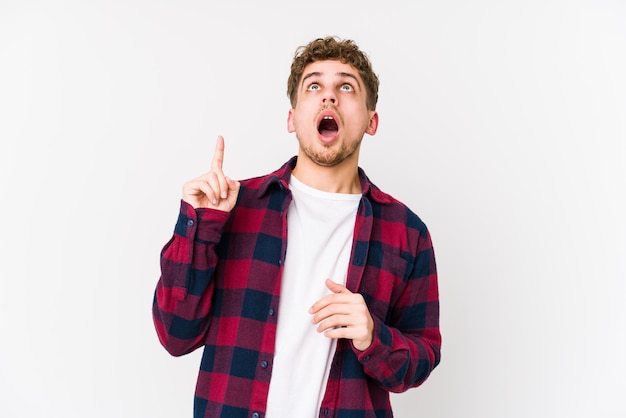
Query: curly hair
{"x": 333, "y": 48}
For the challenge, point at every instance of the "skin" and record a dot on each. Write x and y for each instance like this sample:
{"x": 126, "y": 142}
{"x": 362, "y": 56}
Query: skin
{"x": 334, "y": 89}
{"x": 326, "y": 162}
{"x": 214, "y": 189}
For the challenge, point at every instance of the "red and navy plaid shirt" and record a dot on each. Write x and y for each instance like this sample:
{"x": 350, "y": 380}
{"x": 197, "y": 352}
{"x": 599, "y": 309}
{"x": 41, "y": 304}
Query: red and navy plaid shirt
{"x": 220, "y": 287}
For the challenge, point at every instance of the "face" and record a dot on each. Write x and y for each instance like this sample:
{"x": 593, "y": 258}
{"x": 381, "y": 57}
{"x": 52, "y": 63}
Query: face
{"x": 331, "y": 116}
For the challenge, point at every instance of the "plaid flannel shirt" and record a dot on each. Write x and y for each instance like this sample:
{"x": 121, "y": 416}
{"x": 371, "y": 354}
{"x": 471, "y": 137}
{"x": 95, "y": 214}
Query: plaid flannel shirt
{"x": 220, "y": 287}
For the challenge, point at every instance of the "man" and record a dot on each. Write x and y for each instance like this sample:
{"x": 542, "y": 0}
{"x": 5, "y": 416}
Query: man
{"x": 313, "y": 292}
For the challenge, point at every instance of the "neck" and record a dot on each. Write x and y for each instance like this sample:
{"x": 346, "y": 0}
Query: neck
{"x": 342, "y": 178}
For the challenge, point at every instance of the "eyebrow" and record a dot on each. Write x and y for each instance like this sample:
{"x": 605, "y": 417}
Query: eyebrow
{"x": 342, "y": 74}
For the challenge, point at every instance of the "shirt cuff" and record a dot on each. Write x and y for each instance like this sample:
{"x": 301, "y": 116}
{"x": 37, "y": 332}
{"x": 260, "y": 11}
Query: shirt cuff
{"x": 203, "y": 224}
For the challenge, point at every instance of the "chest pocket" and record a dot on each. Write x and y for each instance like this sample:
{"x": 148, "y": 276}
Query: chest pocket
{"x": 384, "y": 280}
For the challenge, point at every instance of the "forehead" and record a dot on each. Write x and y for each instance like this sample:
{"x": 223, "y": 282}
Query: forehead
{"x": 330, "y": 68}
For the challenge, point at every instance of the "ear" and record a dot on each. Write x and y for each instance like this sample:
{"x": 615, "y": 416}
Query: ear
{"x": 372, "y": 126}
{"x": 290, "y": 126}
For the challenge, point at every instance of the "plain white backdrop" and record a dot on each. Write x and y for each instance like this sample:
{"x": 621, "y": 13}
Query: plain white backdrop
{"x": 502, "y": 124}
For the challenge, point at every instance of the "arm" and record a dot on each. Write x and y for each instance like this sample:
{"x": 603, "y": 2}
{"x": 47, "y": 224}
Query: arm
{"x": 404, "y": 352}
{"x": 399, "y": 354}
{"x": 182, "y": 299}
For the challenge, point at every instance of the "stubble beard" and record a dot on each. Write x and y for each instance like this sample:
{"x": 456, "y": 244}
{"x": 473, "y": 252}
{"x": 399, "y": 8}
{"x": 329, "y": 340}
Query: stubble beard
{"x": 328, "y": 156}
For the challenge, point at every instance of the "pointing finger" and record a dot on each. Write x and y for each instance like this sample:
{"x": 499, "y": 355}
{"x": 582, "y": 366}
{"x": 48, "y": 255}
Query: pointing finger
{"x": 218, "y": 155}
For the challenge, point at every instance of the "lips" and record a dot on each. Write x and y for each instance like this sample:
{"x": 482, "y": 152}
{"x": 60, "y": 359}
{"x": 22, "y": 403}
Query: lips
{"x": 327, "y": 126}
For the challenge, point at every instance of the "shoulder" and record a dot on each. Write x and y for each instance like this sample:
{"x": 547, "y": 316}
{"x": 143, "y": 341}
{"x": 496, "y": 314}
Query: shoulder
{"x": 389, "y": 209}
{"x": 262, "y": 183}
{"x": 266, "y": 191}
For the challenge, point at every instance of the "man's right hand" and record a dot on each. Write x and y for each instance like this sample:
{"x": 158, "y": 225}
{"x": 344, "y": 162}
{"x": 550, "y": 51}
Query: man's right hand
{"x": 213, "y": 190}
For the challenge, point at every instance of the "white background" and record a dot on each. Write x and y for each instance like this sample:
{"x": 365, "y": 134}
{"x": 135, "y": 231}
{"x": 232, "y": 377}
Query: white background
{"x": 502, "y": 124}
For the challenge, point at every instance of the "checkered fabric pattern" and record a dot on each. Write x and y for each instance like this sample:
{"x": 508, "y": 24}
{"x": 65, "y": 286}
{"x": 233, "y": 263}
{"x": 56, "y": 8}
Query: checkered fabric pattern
{"x": 220, "y": 287}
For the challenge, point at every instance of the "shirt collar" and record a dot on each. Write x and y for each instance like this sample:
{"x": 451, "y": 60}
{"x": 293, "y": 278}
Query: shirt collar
{"x": 280, "y": 178}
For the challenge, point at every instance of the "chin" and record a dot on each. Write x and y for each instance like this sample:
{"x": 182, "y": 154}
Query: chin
{"x": 328, "y": 158}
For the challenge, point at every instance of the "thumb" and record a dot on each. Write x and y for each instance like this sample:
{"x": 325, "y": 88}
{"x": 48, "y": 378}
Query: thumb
{"x": 336, "y": 287}
{"x": 233, "y": 185}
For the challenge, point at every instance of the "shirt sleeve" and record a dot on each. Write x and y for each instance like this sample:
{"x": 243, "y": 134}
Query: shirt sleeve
{"x": 407, "y": 347}
{"x": 182, "y": 299}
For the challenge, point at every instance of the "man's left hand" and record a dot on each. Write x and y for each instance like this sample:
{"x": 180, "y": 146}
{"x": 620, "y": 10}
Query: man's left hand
{"x": 344, "y": 314}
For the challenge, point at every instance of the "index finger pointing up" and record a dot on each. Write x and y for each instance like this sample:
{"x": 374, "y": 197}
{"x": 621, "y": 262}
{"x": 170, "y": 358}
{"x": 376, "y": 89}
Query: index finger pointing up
{"x": 218, "y": 155}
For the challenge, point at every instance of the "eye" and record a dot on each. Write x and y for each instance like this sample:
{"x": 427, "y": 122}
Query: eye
{"x": 313, "y": 87}
{"x": 346, "y": 87}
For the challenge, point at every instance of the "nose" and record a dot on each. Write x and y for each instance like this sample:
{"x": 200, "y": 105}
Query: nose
{"x": 329, "y": 97}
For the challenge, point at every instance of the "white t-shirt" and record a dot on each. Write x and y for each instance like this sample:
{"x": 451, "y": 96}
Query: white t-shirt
{"x": 320, "y": 233}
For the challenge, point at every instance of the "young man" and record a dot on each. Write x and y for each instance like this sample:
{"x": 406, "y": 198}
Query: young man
{"x": 313, "y": 292}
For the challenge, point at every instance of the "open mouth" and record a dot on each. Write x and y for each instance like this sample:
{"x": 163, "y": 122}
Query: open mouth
{"x": 328, "y": 126}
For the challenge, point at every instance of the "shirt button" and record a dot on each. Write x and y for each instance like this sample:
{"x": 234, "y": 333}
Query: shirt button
{"x": 264, "y": 364}
{"x": 326, "y": 411}
{"x": 255, "y": 415}
{"x": 366, "y": 358}
{"x": 272, "y": 312}
{"x": 190, "y": 222}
